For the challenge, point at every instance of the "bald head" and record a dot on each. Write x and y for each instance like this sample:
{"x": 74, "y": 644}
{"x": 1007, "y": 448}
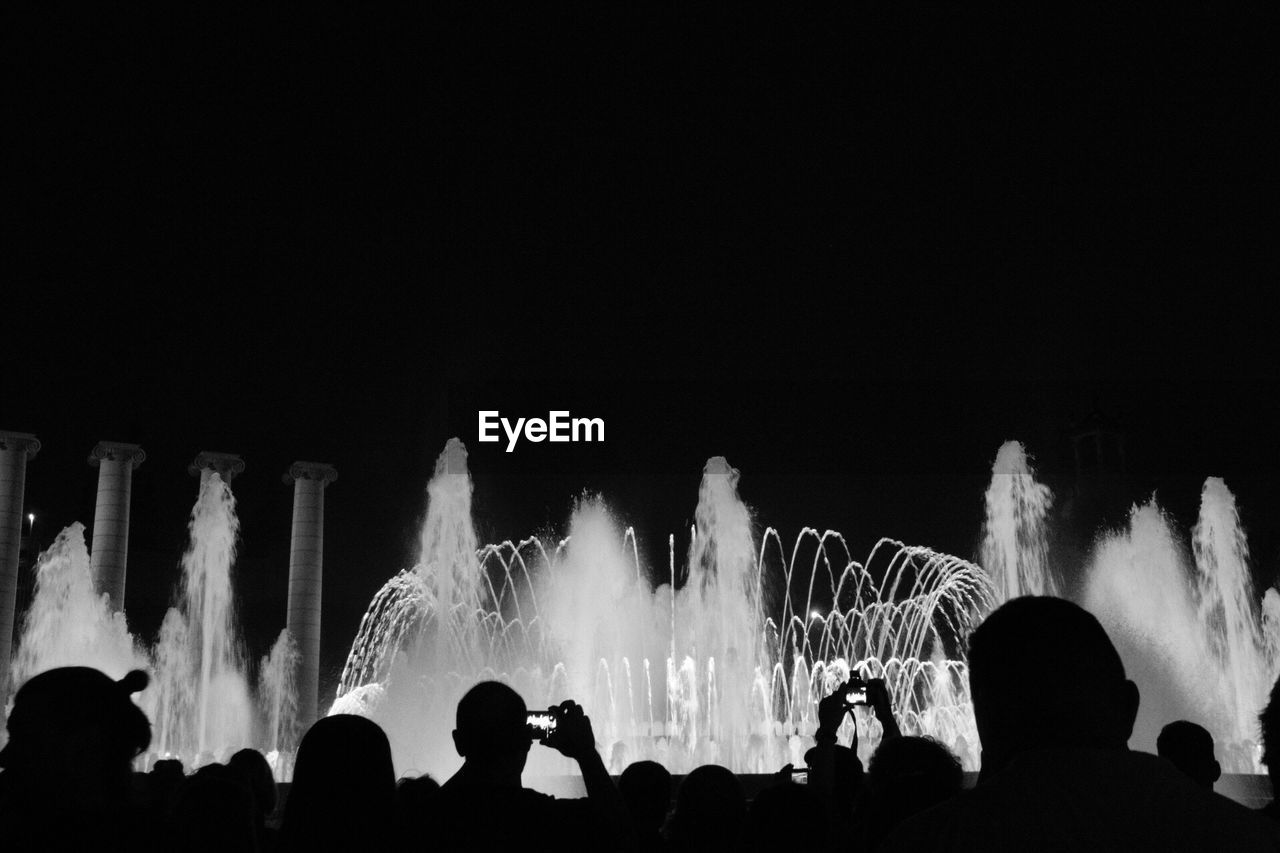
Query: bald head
{"x": 491, "y": 724}
{"x": 1044, "y": 673}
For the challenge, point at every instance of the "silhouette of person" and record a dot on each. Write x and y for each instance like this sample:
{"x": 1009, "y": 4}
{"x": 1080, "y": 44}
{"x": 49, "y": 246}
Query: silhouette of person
{"x": 645, "y": 787}
{"x": 412, "y": 796}
{"x": 787, "y": 816}
{"x": 214, "y": 813}
{"x": 67, "y": 780}
{"x": 1269, "y": 724}
{"x": 906, "y": 775}
{"x": 344, "y": 787}
{"x": 710, "y": 812}
{"x": 1054, "y": 712}
{"x": 163, "y": 783}
{"x": 485, "y": 805}
{"x": 835, "y": 771}
{"x": 1189, "y": 748}
{"x": 253, "y": 770}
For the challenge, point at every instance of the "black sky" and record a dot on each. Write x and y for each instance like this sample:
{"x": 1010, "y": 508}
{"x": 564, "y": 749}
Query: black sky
{"x": 852, "y": 254}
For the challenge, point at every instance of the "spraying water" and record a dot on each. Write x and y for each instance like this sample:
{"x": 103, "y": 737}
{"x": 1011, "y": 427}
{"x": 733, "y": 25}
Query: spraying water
{"x": 199, "y": 702}
{"x": 1014, "y": 549}
{"x": 278, "y": 703}
{"x": 68, "y": 623}
{"x": 684, "y": 674}
{"x": 203, "y": 703}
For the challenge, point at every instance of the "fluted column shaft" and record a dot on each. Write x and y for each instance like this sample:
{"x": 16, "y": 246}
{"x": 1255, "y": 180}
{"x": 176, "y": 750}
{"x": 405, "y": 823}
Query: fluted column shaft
{"x": 306, "y": 575}
{"x": 115, "y": 462}
{"x": 15, "y": 449}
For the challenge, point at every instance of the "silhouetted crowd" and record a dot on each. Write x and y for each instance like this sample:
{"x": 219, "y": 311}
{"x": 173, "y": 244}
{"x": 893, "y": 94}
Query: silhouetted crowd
{"x": 1053, "y": 707}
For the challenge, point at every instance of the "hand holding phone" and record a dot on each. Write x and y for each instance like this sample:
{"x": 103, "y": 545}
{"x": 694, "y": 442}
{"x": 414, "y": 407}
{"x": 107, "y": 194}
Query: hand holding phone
{"x": 541, "y": 724}
{"x": 855, "y": 691}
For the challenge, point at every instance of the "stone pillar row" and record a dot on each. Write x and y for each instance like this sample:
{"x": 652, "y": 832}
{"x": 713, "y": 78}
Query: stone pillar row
{"x": 15, "y": 449}
{"x": 115, "y": 462}
{"x": 306, "y": 567}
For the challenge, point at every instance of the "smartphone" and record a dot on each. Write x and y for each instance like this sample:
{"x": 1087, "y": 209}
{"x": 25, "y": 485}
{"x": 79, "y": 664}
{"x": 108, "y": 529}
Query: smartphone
{"x": 857, "y": 694}
{"x": 800, "y": 775}
{"x": 540, "y": 724}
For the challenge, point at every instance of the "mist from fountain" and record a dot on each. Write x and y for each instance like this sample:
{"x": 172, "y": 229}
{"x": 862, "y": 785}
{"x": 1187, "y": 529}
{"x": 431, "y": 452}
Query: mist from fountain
{"x": 684, "y": 673}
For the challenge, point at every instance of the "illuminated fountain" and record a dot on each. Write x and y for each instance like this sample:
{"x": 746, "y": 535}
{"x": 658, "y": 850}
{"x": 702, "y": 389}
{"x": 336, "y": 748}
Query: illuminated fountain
{"x": 1188, "y": 626}
{"x": 1187, "y": 623}
{"x": 199, "y": 700}
{"x": 691, "y": 672}
{"x": 704, "y": 666}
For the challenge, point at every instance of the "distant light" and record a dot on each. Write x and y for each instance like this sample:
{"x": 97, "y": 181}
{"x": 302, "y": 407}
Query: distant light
{"x": 817, "y": 614}
{"x": 31, "y": 518}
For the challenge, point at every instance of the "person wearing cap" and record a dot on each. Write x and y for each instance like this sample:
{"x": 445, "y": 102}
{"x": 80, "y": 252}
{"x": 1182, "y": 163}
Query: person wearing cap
{"x": 73, "y": 735}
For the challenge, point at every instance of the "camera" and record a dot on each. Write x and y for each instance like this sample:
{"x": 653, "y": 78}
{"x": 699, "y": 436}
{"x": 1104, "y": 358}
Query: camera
{"x": 541, "y": 724}
{"x": 855, "y": 691}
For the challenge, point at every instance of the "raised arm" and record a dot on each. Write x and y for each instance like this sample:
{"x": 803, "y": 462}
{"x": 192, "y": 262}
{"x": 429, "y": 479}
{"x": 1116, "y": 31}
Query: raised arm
{"x": 574, "y": 737}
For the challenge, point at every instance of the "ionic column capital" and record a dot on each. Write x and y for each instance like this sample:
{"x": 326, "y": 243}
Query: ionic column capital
{"x": 117, "y": 451}
{"x": 20, "y": 441}
{"x": 226, "y": 465}
{"x": 322, "y": 471}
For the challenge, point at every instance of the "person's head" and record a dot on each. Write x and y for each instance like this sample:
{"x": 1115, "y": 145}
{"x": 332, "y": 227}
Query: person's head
{"x": 710, "y": 811}
{"x": 253, "y": 768}
{"x": 167, "y": 769}
{"x": 1269, "y": 725}
{"x": 413, "y": 793}
{"x": 343, "y": 788}
{"x": 77, "y": 729}
{"x": 1044, "y": 673}
{"x": 1189, "y": 747}
{"x": 645, "y": 787}
{"x": 784, "y": 816}
{"x": 907, "y": 775}
{"x": 214, "y": 812}
{"x": 846, "y": 780}
{"x": 491, "y": 731}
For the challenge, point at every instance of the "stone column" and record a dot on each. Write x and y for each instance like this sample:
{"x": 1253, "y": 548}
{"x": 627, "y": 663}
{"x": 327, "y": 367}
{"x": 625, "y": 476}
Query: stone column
{"x": 15, "y": 449}
{"x": 226, "y": 465}
{"x": 306, "y": 573}
{"x": 115, "y": 462}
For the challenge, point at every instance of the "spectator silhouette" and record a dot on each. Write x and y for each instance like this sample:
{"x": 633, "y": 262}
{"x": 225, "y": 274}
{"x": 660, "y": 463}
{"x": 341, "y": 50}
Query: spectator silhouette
{"x": 413, "y": 795}
{"x": 1269, "y": 723}
{"x": 68, "y": 778}
{"x": 253, "y": 770}
{"x": 163, "y": 784}
{"x": 710, "y": 812}
{"x": 787, "y": 816}
{"x": 1189, "y": 748}
{"x": 645, "y": 787}
{"x": 906, "y": 775}
{"x": 344, "y": 787}
{"x": 214, "y": 813}
{"x": 1054, "y": 712}
{"x": 835, "y": 771}
{"x": 485, "y": 805}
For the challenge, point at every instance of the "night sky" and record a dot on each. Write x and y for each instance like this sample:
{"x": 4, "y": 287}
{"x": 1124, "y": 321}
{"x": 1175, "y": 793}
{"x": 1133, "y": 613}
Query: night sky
{"x": 852, "y": 254}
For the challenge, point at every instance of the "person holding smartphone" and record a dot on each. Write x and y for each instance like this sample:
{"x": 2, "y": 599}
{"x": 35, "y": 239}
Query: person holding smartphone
{"x": 485, "y": 806}
{"x": 835, "y": 772}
